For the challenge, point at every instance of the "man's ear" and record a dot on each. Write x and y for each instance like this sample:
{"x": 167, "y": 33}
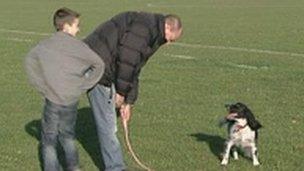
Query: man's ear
{"x": 167, "y": 27}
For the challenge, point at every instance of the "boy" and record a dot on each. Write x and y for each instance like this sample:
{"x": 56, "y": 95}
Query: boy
{"x": 61, "y": 68}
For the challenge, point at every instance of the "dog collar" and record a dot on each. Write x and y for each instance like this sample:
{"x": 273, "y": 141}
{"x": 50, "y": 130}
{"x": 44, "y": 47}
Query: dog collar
{"x": 239, "y": 127}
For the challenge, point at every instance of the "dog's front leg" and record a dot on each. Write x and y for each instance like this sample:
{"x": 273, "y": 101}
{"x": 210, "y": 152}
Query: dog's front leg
{"x": 227, "y": 152}
{"x": 235, "y": 153}
{"x": 254, "y": 155}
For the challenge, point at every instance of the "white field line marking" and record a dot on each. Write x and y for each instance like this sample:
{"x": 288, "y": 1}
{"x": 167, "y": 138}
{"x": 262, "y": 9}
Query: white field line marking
{"x": 183, "y": 45}
{"x": 20, "y": 40}
{"x": 179, "y": 56}
{"x": 163, "y": 5}
{"x": 24, "y": 32}
{"x": 239, "y": 49}
{"x": 247, "y": 66}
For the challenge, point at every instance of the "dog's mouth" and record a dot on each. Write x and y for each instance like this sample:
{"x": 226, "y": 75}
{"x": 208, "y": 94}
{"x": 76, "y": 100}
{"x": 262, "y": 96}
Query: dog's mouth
{"x": 231, "y": 116}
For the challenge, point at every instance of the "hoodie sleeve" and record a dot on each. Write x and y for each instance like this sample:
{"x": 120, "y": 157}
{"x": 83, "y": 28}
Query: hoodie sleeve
{"x": 34, "y": 71}
{"x": 95, "y": 66}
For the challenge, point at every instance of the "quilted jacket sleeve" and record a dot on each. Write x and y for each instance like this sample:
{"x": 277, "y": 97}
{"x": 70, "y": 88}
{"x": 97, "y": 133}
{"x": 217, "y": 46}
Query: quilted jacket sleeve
{"x": 132, "y": 45}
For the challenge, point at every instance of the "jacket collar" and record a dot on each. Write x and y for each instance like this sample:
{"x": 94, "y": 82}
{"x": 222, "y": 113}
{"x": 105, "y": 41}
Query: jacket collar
{"x": 239, "y": 127}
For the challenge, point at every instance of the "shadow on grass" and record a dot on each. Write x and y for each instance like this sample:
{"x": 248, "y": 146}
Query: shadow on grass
{"x": 85, "y": 134}
{"x": 215, "y": 142}
{"x": 34, "y": 128}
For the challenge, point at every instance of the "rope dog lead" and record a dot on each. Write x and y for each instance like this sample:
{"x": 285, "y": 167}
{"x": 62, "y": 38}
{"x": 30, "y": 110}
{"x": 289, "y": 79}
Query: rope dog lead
{"x": 126, "y": 131}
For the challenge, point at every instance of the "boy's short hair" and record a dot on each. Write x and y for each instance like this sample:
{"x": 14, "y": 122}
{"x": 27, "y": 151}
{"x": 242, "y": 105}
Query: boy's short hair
{"x": 174, "y": 21}
{"x": 62, "y": 16}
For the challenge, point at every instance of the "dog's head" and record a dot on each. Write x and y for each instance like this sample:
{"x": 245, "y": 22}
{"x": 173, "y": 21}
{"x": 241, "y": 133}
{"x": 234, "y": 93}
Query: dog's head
{"x": 239, "y": 111}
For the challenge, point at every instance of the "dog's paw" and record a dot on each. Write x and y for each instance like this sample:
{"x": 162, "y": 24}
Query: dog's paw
{"x": 256, "y": 163}
{"x": 235, "y": 155}
{"x": 224, "y": 162}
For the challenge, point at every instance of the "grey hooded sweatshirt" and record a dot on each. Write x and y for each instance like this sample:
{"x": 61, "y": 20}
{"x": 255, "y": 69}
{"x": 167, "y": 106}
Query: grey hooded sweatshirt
{"x": 62, "y": 68}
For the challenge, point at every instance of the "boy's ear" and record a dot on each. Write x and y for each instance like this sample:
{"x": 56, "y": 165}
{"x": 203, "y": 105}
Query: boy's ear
{"x": 66, "y": 27}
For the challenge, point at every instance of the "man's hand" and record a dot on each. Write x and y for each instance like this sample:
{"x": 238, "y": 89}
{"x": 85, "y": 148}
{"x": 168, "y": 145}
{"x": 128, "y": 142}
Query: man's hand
{"x": 126, "y": 112}
{"x": 119, "y": 100}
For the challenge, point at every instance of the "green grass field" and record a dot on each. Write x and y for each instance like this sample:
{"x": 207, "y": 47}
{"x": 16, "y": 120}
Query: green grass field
{"x": 237, "y": 50}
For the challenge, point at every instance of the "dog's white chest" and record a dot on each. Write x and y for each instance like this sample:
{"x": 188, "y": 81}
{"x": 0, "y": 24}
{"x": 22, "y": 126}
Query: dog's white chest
{"x": 242, "y": 137}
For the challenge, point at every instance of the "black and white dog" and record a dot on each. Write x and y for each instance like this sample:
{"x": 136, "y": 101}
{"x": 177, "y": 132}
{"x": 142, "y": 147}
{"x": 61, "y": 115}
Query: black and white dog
{"x": 243, "y": 132}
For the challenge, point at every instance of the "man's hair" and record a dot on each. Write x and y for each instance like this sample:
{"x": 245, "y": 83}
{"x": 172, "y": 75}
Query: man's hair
{"x": 173, "y": 21}
{"x": 62, "y": 16}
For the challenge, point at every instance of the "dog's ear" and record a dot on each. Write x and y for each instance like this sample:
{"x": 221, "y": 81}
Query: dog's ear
{"x": 252, "y": 122}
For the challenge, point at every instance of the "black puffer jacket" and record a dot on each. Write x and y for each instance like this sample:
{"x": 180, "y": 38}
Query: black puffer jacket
{"x": 125, "y": 43}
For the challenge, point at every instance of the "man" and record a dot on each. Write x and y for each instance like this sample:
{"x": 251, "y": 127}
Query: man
{"x": 61, "y": 68}
{"x": 125, "y": 43}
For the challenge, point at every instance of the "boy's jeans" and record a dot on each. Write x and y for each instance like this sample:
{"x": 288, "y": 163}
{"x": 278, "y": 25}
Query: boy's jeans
{"x": 102, "y": 100}
{"x": 58, "y": 123}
